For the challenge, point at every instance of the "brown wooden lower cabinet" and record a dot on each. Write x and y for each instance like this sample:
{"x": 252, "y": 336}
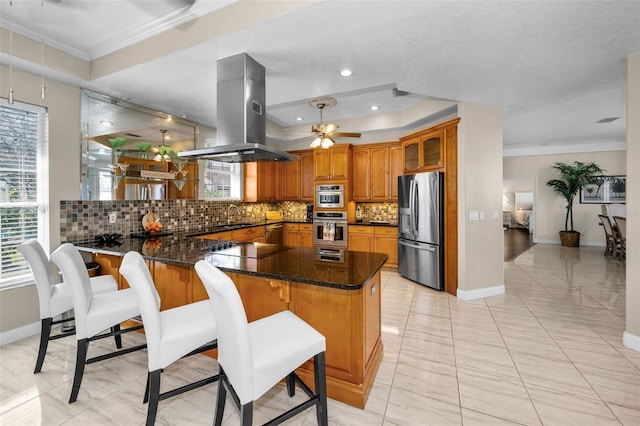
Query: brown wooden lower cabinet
{"x": 385, "y": 240}
{"x": 350, "y": 320}
{"x": 376, "y": 239}
{"x": 298, "y": 234}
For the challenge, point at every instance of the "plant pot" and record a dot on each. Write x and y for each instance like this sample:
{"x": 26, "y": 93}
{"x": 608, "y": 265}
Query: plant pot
{"x": 570, "y": 238}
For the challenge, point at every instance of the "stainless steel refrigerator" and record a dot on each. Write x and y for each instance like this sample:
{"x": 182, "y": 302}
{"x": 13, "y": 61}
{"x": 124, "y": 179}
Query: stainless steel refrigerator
{"x": 421, "y": 228}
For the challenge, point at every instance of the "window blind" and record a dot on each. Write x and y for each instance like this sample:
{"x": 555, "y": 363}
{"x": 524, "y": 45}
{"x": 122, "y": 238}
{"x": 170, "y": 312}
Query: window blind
{"x": 222, "y": 181}
{"x": 22, "y": 204}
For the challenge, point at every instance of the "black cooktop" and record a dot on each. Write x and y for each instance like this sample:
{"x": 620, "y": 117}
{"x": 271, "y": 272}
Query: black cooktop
{"x": 243, "y": 249}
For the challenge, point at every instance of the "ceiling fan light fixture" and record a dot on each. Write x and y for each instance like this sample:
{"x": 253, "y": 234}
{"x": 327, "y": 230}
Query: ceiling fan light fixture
{"x": 327, "y": 142}
{"x": 316, "y": 142}
{"x": 346, "y": 72}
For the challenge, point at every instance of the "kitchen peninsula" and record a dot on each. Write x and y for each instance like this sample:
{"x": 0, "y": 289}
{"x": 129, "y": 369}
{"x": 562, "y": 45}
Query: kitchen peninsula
{"x": 338, "y": 295}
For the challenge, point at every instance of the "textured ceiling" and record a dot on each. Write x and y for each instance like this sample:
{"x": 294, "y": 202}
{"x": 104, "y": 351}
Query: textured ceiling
{"x": 554, "y": 67}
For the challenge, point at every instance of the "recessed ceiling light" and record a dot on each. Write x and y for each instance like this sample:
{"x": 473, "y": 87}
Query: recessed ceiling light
{"x": 106, "y": 123}
{"x": 374, "y": 107}
{"x": 299, "y": 118}
{"x": 167, "y": 137}
{"x": 346, "y": 72}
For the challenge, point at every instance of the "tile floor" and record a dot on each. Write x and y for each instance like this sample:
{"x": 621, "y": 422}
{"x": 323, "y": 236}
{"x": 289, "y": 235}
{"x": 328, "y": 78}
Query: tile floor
{"x": 547, "y": 352}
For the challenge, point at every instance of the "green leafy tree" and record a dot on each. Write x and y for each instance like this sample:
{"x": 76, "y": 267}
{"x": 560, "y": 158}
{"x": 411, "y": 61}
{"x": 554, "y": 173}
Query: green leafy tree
{"x": 573, "y": 177}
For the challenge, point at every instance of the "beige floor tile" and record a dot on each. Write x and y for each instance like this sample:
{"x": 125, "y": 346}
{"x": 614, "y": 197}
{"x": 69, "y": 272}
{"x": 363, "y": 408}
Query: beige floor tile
{"x": 627, "y": 416}
{"x": 409, "y": 408}
{"x": 553, "y": 374}
{"x": 474, "y": 418}
{"x": 485, "y": 358}
{"x": 598, "y": 355}
{"x": 559, "y": 408}
{"x": 417, "y": 346}
{"x": 52, "y": 407}
{"x": 613, "y": 386}
{"x": 532, "y": 343}
{"x": 22, "y": 385}
{"x": 110, "y": 411}
{"x": 428, "y": 378}
{"x": 497, "y": 396}
{"x": 485, "y": 335}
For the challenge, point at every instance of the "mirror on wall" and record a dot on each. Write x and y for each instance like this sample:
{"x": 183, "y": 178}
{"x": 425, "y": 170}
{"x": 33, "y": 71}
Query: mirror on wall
{"x": 129, "y": 152}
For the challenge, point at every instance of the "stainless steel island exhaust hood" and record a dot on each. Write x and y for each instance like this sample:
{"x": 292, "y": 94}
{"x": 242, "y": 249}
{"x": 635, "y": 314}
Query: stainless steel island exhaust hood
{"x": 241, "y": 115}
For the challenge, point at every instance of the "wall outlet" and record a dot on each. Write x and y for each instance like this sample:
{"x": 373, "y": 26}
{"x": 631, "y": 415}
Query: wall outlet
{"x": 113, "y": 217}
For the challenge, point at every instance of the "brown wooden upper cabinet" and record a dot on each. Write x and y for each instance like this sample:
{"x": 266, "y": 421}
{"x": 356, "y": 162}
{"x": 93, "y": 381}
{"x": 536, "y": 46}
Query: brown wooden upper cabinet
{"x": 375, "y": 172}
{"x": 423, "y": 152}
{"x": 333, "y": 163}
{"x": 262, "y": 181}
{"x": 296, "y": 177}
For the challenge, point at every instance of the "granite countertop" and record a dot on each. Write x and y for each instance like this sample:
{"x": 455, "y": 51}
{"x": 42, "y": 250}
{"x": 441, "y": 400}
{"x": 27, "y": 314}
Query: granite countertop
{"x": 373, "y": 223}
{"x": 299, "y": 264}
{"x": 222, "y": 228}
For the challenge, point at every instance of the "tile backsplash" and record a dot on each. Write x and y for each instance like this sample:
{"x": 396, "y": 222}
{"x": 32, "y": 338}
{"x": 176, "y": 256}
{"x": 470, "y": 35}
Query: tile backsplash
{"x": 81, "y": 220}
{"x": 379, "y": 211}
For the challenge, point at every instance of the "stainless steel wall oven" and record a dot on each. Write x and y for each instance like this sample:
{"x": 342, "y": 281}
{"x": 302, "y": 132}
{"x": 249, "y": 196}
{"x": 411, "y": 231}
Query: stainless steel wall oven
{"x": 330, "y": 229}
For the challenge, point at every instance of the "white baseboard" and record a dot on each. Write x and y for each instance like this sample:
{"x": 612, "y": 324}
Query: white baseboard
{"x": 19, "y": 333}
{"x": 480, "y": 292}
{"x": 631, "y": 341}
{"x": 582, "y": 243}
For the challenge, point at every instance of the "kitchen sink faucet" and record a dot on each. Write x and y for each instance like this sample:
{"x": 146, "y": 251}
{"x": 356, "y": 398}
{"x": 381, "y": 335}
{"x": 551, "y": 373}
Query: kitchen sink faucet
{"x": 229, "y": 212}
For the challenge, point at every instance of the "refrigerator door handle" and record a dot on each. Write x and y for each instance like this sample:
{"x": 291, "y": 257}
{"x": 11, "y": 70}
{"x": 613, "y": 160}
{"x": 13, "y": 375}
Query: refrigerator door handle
{"x": 416, "y": 208}
{"x": 425, "y": 248}
{"x": 411, "y": 207}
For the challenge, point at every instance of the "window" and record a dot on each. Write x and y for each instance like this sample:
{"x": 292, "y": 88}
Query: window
{"x": 23, "y": 187}
{"x": 222, "y": 181}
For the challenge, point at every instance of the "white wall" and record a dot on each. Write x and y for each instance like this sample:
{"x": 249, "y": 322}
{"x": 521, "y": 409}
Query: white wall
{"x": 480, "y": 242}
{"x": 549, "y": 207}
{"x": 19, "y": 306}
{"x": 632, "y": 330}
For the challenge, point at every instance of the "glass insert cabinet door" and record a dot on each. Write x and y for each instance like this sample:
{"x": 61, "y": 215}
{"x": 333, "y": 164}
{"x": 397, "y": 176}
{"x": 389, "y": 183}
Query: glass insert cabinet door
{"x": 431, "y": 151}
{"x": 424, "y": 153}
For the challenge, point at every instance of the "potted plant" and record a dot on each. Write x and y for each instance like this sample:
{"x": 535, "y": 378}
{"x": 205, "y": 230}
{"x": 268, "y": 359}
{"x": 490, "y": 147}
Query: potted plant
{"x": 573, "y": 177}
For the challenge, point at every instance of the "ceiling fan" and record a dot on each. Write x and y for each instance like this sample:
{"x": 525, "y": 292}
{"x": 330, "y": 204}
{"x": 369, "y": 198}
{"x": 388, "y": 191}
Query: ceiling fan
{"x": 324, "y": 133}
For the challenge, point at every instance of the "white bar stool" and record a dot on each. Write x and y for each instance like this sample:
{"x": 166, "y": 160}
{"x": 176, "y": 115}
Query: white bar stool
{"x": 171, "y": 334}
{"x": 94, "y": 313}
{"x": 55, "y": 299}
{"x": 253, "y": 357}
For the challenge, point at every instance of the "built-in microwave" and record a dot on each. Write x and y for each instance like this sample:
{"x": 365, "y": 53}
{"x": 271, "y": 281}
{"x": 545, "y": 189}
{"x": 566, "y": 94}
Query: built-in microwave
{"x": 330, "y": 196}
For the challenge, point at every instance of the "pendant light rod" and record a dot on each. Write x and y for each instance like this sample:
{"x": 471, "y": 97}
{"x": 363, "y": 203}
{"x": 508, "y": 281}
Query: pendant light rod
{"x": 43, "y": 88}
{"x": 11, "y": 59}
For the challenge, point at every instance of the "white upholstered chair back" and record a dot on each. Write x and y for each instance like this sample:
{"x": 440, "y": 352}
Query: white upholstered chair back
{"x": 234, "y": 344}
{"x": 41, "y": 268}
{"x": 135, "y": 270}
{"x": 75, "y": 274}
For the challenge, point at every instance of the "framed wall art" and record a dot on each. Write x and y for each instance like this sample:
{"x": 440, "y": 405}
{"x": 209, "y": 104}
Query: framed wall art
{"x": 605, "y": 190}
